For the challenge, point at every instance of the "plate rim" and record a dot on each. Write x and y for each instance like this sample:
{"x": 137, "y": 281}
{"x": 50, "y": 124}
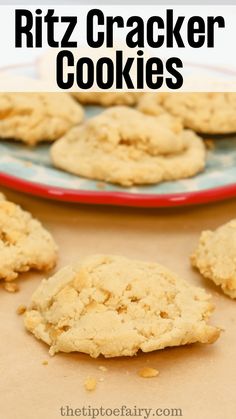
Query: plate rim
{"x": 118, "y": 198}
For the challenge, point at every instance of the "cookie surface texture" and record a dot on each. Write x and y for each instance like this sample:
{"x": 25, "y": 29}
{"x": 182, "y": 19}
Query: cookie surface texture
{"x": 114, "y": 306}
{"x": 130, "y": 149}
{"x": 208, "y": 113}
{"x": 215, "y": 257}
{"x": 107, "y": 98}
{"x": 35, "y": 117}
{"x": 24, "y": 243}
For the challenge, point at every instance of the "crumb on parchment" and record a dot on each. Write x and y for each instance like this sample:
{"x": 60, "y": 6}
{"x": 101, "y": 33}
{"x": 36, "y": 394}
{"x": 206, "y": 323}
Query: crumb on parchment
{"x": 90, "y": 384}
{"x": 45, "y": 362}
{"x": 148, "y": 372}
{"x": 11, "y": 287}
{"x": 21, "y": 309}
{"x": 102, "y": 368}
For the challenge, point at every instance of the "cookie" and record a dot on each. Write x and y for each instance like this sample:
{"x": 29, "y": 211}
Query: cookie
{"x": 36, "y": 117}
{"x": 115, "y": 306}
{"x": 107, "y": 98}
{"x": 123, "y": 125}
{"x": 215, "y": 257}
{"x": 24, "y": 243}
{"x": 208, "y": 113}
{"x": 152, "y": 103}
{"x": 109, "y": 149}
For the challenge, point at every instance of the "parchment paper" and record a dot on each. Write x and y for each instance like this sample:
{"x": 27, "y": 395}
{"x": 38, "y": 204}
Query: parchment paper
{"x": 198, "y": 379}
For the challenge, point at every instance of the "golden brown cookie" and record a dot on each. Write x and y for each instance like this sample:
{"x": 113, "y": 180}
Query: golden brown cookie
{"x": 215, "y": 257}
{"x": 36, "y": 117}
{"x": 123, "y": 146}
{"x": 209, "y": 113}
{"x": 24, "y": 243}
{"x": 115, "y": 306}
{"x": 107, "y": 98}
{"x": 123, "y": 125}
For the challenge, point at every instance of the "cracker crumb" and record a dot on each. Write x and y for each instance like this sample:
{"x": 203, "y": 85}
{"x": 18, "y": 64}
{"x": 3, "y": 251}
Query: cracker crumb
{"x": 90, "y": 384}
{"x": 101, "y": 185}
{"x": 148, "y": 372}
{"x": 21, "y": 309}
{"x": 45, "y": 362}
{"x": 101, "y": 379}
{"x": 11, "y": 287}
{"x": 210, "y": 145}
{"x": 102, "y": 368}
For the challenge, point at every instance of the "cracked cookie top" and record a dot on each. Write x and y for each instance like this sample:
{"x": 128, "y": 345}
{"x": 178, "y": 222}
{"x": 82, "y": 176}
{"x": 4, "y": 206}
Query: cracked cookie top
{"x": 114, "y": 306}
{"x": 24, "y": 243}
{"x": 36, "y": 117}
{"x": 215, "y": 257}
{"x": 123, "y": 146}
{"x": 208, "y": 113}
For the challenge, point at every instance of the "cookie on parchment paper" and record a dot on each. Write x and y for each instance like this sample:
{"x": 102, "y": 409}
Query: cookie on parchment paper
{"x": 115, "y": 306}
{"x": 24, "y": 243}
{"x": 215, "y": 257}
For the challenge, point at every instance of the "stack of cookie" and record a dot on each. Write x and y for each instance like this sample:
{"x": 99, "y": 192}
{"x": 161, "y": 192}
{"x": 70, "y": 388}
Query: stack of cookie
{"x": 125, "y": 146}
{"x": 111, "y": 146}
{"x": 158, "y": 141}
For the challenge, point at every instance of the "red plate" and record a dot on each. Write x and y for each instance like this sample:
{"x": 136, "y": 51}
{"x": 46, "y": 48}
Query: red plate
{"x": 119, "y": 198}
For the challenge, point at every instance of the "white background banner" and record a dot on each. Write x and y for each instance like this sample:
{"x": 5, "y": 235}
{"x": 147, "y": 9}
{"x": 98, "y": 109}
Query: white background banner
{"x": 204, "y": 68}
